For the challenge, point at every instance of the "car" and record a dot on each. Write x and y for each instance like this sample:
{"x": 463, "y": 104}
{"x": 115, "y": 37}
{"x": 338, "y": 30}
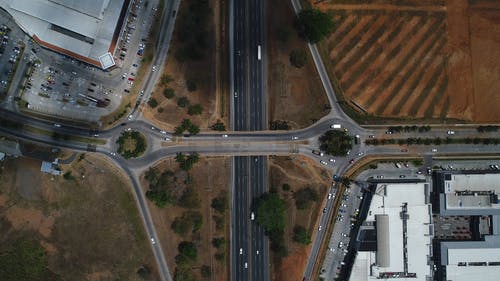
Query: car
{"x": 257, "y": 252}
{"x": 497, "y": 167}
{"x": 331, "y": 160}
{"x": 344, "y": 235}
{"x": 235, "y": 94}
{"x": 319, "y": 228}
{"x": 402, "y": 176}
{"x": 341, "y": 244}
{"x": 329, "y": 196}
{"x": 153, "y": 241}
{"x": 352, "y": 161}
{"x": 434, "y": 150}
{"x": 371, "y": 136}
{"x": 344, "y": 205}
{"x": 224, "y": 136}
{"x": 57, "y": 125}
{"x": 295, "y": 138}
{"x": 153, "y": 128}
{"x": 342, "y": 210}
{"x": 340, "y": 219}
{"x": 113, "y": 153}
{"x": 323, "y": 162}
{"x": 166, "y": 139}
{"x": 360, "y": 197}
{"x": 246, "y": 265}
{"x": 450, "y": 132}
{"x": 324, "y": 210}
{"x": 131, "y": 79}
{"x": 163, "y": 132}
{"x": 134, "y": 65}
{"x": 348, "y": 152}
{"x": 129, "y": 129}
{"x": 241, "y": 251}
{"x": 154, "y": 68}
{"x": 419, "y": 172}
{"x": 130, "y": 117}
{"x": 360, "y": 153}
{"x": 252, "y": 216}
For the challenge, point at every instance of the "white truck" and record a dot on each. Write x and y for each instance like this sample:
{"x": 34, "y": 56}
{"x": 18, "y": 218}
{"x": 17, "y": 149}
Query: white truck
{"x": 335, "y": 126}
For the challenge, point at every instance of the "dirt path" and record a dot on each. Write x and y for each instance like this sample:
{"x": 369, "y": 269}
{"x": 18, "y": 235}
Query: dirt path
{"x": 385, "y": 7}
{"x": 459, "y": 63}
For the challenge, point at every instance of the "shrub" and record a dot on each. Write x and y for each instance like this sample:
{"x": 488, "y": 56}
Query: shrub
{"x": 182, "y": 102}
{"x": 191, "y": 85}
{"x": 286, "y": 187}
{"x": 336, "y": 143}
{"x": 301, "y": 235}
{"x": 196, "y": 109}
{"x": 165, "y": 79}
{"x": 160, "y": 109}
{"x": 298, "y": 58}
{"x": 304, "y": 197}
{"x": 220, "y": 203}
{"x": 219, "y": 126}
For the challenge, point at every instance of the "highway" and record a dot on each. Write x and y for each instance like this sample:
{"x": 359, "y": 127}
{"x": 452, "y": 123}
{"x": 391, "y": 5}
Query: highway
{"x": 249, "y": 247}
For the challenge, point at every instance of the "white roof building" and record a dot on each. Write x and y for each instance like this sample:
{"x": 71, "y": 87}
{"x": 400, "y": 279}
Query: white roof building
{"x": 469, "y": 260}
{"x": 402, "y": 215}
{"x": 86, "y": 30}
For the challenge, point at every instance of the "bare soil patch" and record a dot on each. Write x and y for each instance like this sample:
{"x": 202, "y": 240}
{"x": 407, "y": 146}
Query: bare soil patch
{"x": 298, "y": 172}
{"x": 437, "y": 62}
{"x": 294, "y": 94}
{"x": 89, "y": 226}
{"x": 210, "y": 177}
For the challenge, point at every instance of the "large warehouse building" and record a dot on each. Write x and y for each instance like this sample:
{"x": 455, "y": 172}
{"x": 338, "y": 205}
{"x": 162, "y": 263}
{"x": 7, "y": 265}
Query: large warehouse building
{"x": 85, "y": 30}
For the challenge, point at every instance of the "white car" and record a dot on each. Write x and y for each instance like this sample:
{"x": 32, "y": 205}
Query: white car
{"x": 450, "y": 132}
{"x": 153, "y": 241}
{"x": 235, "y": 94}
{"x": 224, "y": 136}
{"x": 257, "y": 252}
{"x": 57, "y": 125}
{"x": 295, "y": 138}
{"x": 329, "y": 196}
{"x": 323, "y": 162}
{"x": 163, "y": 132}
{"x": 154, "y": 68}
{"x": 320, "y": 227}
{"x": 241, "y": 251}
{"x": 246, "y": 265}
{"x": 434, "y": 150}
{"x": 331, "y": 160}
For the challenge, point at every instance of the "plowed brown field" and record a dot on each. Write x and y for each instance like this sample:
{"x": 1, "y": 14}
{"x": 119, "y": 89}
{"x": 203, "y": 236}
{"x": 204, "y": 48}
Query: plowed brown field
{"x": 423, "y": 59}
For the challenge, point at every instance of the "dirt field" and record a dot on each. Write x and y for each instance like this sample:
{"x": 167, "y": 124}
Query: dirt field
{"x": 298, "y": 173}
{"x": 294, "y": 94}
{"x": 89, "y": 225}
{"x": 210, "y": 177}
{"x": 205, "y": 73}
{"x": 426, "y": 59}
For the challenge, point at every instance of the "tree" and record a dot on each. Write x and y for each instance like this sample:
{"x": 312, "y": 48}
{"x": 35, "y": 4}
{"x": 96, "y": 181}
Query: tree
{"x": 169, "y": 93}
{"x": 165, "y": 79}
{"x": 219, "y": 242}
{"x": 271, "y": 215}
{"x": 286, "y": 187}
{"x": 195, "y": 109}
{"x": 314, "y": 24}
{"x": 188, "y": 249}
{"x": 189, "y": 199}
{"x": 298, "y": 58}
{"x": 183, "y": 102}
{"x": 153, "y": 102}
{"x": 301, "y": 235}
{"x": 336, "y": 143}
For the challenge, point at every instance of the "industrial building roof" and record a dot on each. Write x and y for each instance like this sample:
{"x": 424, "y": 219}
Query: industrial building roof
{"x": 395, "y": 235}
{"x": 81, "y": 29}
{"x": 466, "y": 260}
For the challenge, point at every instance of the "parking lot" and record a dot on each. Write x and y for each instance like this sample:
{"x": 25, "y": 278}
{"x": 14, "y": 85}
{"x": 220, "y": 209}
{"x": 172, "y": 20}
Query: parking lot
{"x": 10, "y": 54}
{"x": 339, "y": 244}
{"x": 59, "y": 85}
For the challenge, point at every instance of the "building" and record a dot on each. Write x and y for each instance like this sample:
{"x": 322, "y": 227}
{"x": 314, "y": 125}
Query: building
{"x": 471, "y": 194}
{"x": 51, "y": 167}
{"x": 468, "y": 193}
{"x": 402, "y": 218}
{"x": 85, "y": 30}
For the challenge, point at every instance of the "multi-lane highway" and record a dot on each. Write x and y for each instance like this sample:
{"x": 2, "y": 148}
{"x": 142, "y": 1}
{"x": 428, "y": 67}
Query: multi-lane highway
{"x": 249, "y": 249}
